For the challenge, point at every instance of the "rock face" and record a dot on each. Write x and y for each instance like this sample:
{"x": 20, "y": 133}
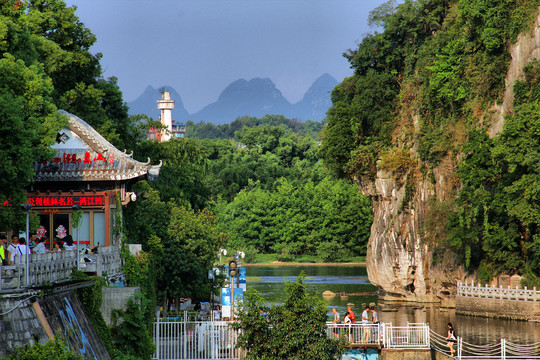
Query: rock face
{"x": 398, "y": 260}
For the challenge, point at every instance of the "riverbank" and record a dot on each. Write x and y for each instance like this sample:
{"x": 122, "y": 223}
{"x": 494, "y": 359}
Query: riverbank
{"x": 286, "y": 263}
{"x": 302, "y": 260}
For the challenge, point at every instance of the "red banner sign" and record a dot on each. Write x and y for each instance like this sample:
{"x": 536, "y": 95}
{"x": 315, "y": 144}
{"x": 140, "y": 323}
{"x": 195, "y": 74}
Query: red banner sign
{"x": 59, "y": 201}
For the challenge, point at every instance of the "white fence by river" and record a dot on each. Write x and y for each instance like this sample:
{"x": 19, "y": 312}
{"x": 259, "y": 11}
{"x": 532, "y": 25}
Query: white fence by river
{"x": 176, "y": 340}
{"x": 188, "y": 340}
{"x": 497, "y": 293}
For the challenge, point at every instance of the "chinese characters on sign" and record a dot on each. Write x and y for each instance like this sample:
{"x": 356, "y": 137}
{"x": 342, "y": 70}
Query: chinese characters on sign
{"x": 54, "y": 201}
{"x": 87, "y": 158}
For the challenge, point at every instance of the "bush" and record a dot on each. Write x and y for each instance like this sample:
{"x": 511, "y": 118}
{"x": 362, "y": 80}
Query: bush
{"x": 52, "y": 350}
{"x": 285, "y": 257}
{"x": 251, "y": 254}
{"x": 332, "y": 251}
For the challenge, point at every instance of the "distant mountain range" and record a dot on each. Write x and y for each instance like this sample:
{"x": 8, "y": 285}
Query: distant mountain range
{"x": 256, "y": 97}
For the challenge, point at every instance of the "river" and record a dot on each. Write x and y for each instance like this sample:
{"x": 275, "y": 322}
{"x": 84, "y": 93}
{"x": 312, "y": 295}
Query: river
{"x": 353, "y": 280}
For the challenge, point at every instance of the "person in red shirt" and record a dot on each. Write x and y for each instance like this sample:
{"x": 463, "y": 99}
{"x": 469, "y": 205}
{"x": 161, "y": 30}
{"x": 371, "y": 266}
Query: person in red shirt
{"x": 351, "y": 314}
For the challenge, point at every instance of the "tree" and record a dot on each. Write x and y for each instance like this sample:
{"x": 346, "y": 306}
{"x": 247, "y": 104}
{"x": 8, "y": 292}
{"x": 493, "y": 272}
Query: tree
{"x": 132, "y": 334}
{"x": 45, "y": 65}
{"x": 295, "y": 330}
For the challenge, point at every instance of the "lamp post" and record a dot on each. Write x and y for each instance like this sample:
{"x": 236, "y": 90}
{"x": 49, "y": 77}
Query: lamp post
{"x": 211, "y": 277}
{"x": 232, "y": 274}
{"x": 26, "y": 208}
{"x": 222, "y": 252}
{"x": 77, "y": 207}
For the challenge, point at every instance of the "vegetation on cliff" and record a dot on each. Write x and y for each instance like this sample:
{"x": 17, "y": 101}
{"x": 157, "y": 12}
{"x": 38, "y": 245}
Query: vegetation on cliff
{"x": 425, "y": 85}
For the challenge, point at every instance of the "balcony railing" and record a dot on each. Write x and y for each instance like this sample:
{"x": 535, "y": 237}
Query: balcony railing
{"x": 44, "y": 269}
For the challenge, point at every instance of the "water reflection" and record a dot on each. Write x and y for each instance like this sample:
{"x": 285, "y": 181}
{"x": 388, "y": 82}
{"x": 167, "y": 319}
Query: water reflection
{"x": 352, "y": 280}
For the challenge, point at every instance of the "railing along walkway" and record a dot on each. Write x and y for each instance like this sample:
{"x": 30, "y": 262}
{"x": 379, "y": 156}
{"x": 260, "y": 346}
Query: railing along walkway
{"x": 504, "y": 350}
{"x": 183, "y": 339}
{"x": 497, "y": 293}
{"x": 411, "y": 336}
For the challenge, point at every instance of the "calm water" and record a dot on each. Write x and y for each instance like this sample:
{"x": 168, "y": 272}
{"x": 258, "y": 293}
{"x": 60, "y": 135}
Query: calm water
{"x": 352, "y": 280}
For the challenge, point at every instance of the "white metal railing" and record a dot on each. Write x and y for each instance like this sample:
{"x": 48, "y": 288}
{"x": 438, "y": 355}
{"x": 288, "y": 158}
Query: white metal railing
{"x": 502, "y": 350}
{"x": 57, "y": 267}
{"x": 412, "y": 336}
{"x": 195, "y": 340}
{"x": 497, "y": 293}
{"x": 183, "y": 339}
{"x": 356, "y": 334}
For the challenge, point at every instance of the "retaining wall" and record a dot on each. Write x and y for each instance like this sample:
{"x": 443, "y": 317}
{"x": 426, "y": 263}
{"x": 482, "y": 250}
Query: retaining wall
{"x": 504, "y": 309}
{"x": 115, "y": 298}
{"x": 26, "y": 319}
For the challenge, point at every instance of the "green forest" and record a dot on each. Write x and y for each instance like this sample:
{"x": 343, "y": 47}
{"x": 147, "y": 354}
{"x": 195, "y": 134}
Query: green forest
{"x": 418, "y": 99}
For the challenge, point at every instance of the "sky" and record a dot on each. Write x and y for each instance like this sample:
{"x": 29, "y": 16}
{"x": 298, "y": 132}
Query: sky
{"x": 199, "y": 47}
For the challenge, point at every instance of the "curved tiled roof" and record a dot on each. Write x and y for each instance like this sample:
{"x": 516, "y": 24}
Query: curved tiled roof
{"x": 82, "y": 154}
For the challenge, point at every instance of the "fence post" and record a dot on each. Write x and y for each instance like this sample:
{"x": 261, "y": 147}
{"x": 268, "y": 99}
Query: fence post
{"x": 459, "y": 346}
{"x": 503, "y": 349}
{"x": 157, "y": 336}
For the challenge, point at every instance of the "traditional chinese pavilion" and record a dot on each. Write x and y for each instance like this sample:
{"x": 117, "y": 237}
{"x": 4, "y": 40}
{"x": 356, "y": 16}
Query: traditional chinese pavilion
{"x": 90, "y": 172}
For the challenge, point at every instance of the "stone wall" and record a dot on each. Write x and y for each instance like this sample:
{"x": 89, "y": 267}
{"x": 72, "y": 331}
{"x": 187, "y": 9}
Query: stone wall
{"x": 504, "y": 309}
{"x": 26, "y": 319}
{"x": 19, "y": 324}
{"x": 391, "y": 354}
{"x": 115, "y": 298}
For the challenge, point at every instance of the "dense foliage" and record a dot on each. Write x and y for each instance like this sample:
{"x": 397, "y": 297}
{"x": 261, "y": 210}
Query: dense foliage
{"x": 204, "y": 130}
{"x": 497, "y": 219}
{"x": 420, "y": 95}
{"x": 299, "y": 219}
{"x": 294, "y": 330}
{"x": 55, "y": 349}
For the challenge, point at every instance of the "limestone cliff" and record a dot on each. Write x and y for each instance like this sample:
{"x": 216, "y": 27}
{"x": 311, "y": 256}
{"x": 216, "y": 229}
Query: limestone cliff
{"x": 398, "y": 259}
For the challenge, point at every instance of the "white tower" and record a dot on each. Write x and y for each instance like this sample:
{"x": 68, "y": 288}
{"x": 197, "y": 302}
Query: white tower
{"x": 166, "y": 105}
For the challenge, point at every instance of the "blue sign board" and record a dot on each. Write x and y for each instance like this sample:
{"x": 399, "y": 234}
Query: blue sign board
{"x": 225, "y": 296}
{"x": 243, "y": 273}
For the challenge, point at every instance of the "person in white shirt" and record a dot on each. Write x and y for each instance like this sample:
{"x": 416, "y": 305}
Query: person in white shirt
{"x": 365, "y": 326}
{"x": 12, "y": 248}
{"x": 69, "y": 246}
{"x": 23, "y": 248}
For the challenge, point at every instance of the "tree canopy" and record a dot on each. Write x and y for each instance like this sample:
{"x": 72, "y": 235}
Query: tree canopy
{"x": 294, "y": 330}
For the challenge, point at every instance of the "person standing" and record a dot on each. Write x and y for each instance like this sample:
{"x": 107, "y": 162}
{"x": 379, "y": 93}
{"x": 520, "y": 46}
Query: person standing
{"x": 13, "y": 249}
{"x": 33, "y": 240}
{"x": 451, "y": 338}
{"x": 374, "y": 321}
{"x": 351, "y": 314}
{"x": 365, "y": 326}
{"x": 23, "y": 248}
{"x": 39, "y": 248}
{"x": 347, "y": 320}
{"x": 69, "y": 246}
{"x": 335, "y": 322}
{"x": 3, "y": 250}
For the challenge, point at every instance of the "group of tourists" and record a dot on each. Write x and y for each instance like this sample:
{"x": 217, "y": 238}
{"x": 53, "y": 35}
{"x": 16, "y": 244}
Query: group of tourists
{"x": 369, "y": 316}
{"x": 19, "y": 246}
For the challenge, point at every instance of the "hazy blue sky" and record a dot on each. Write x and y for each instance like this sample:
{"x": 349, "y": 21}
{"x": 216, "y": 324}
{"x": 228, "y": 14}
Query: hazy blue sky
{"x": 201, "y": 46}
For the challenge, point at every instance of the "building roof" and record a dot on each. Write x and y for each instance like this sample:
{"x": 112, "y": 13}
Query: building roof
{"x": 82, "y": 154}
